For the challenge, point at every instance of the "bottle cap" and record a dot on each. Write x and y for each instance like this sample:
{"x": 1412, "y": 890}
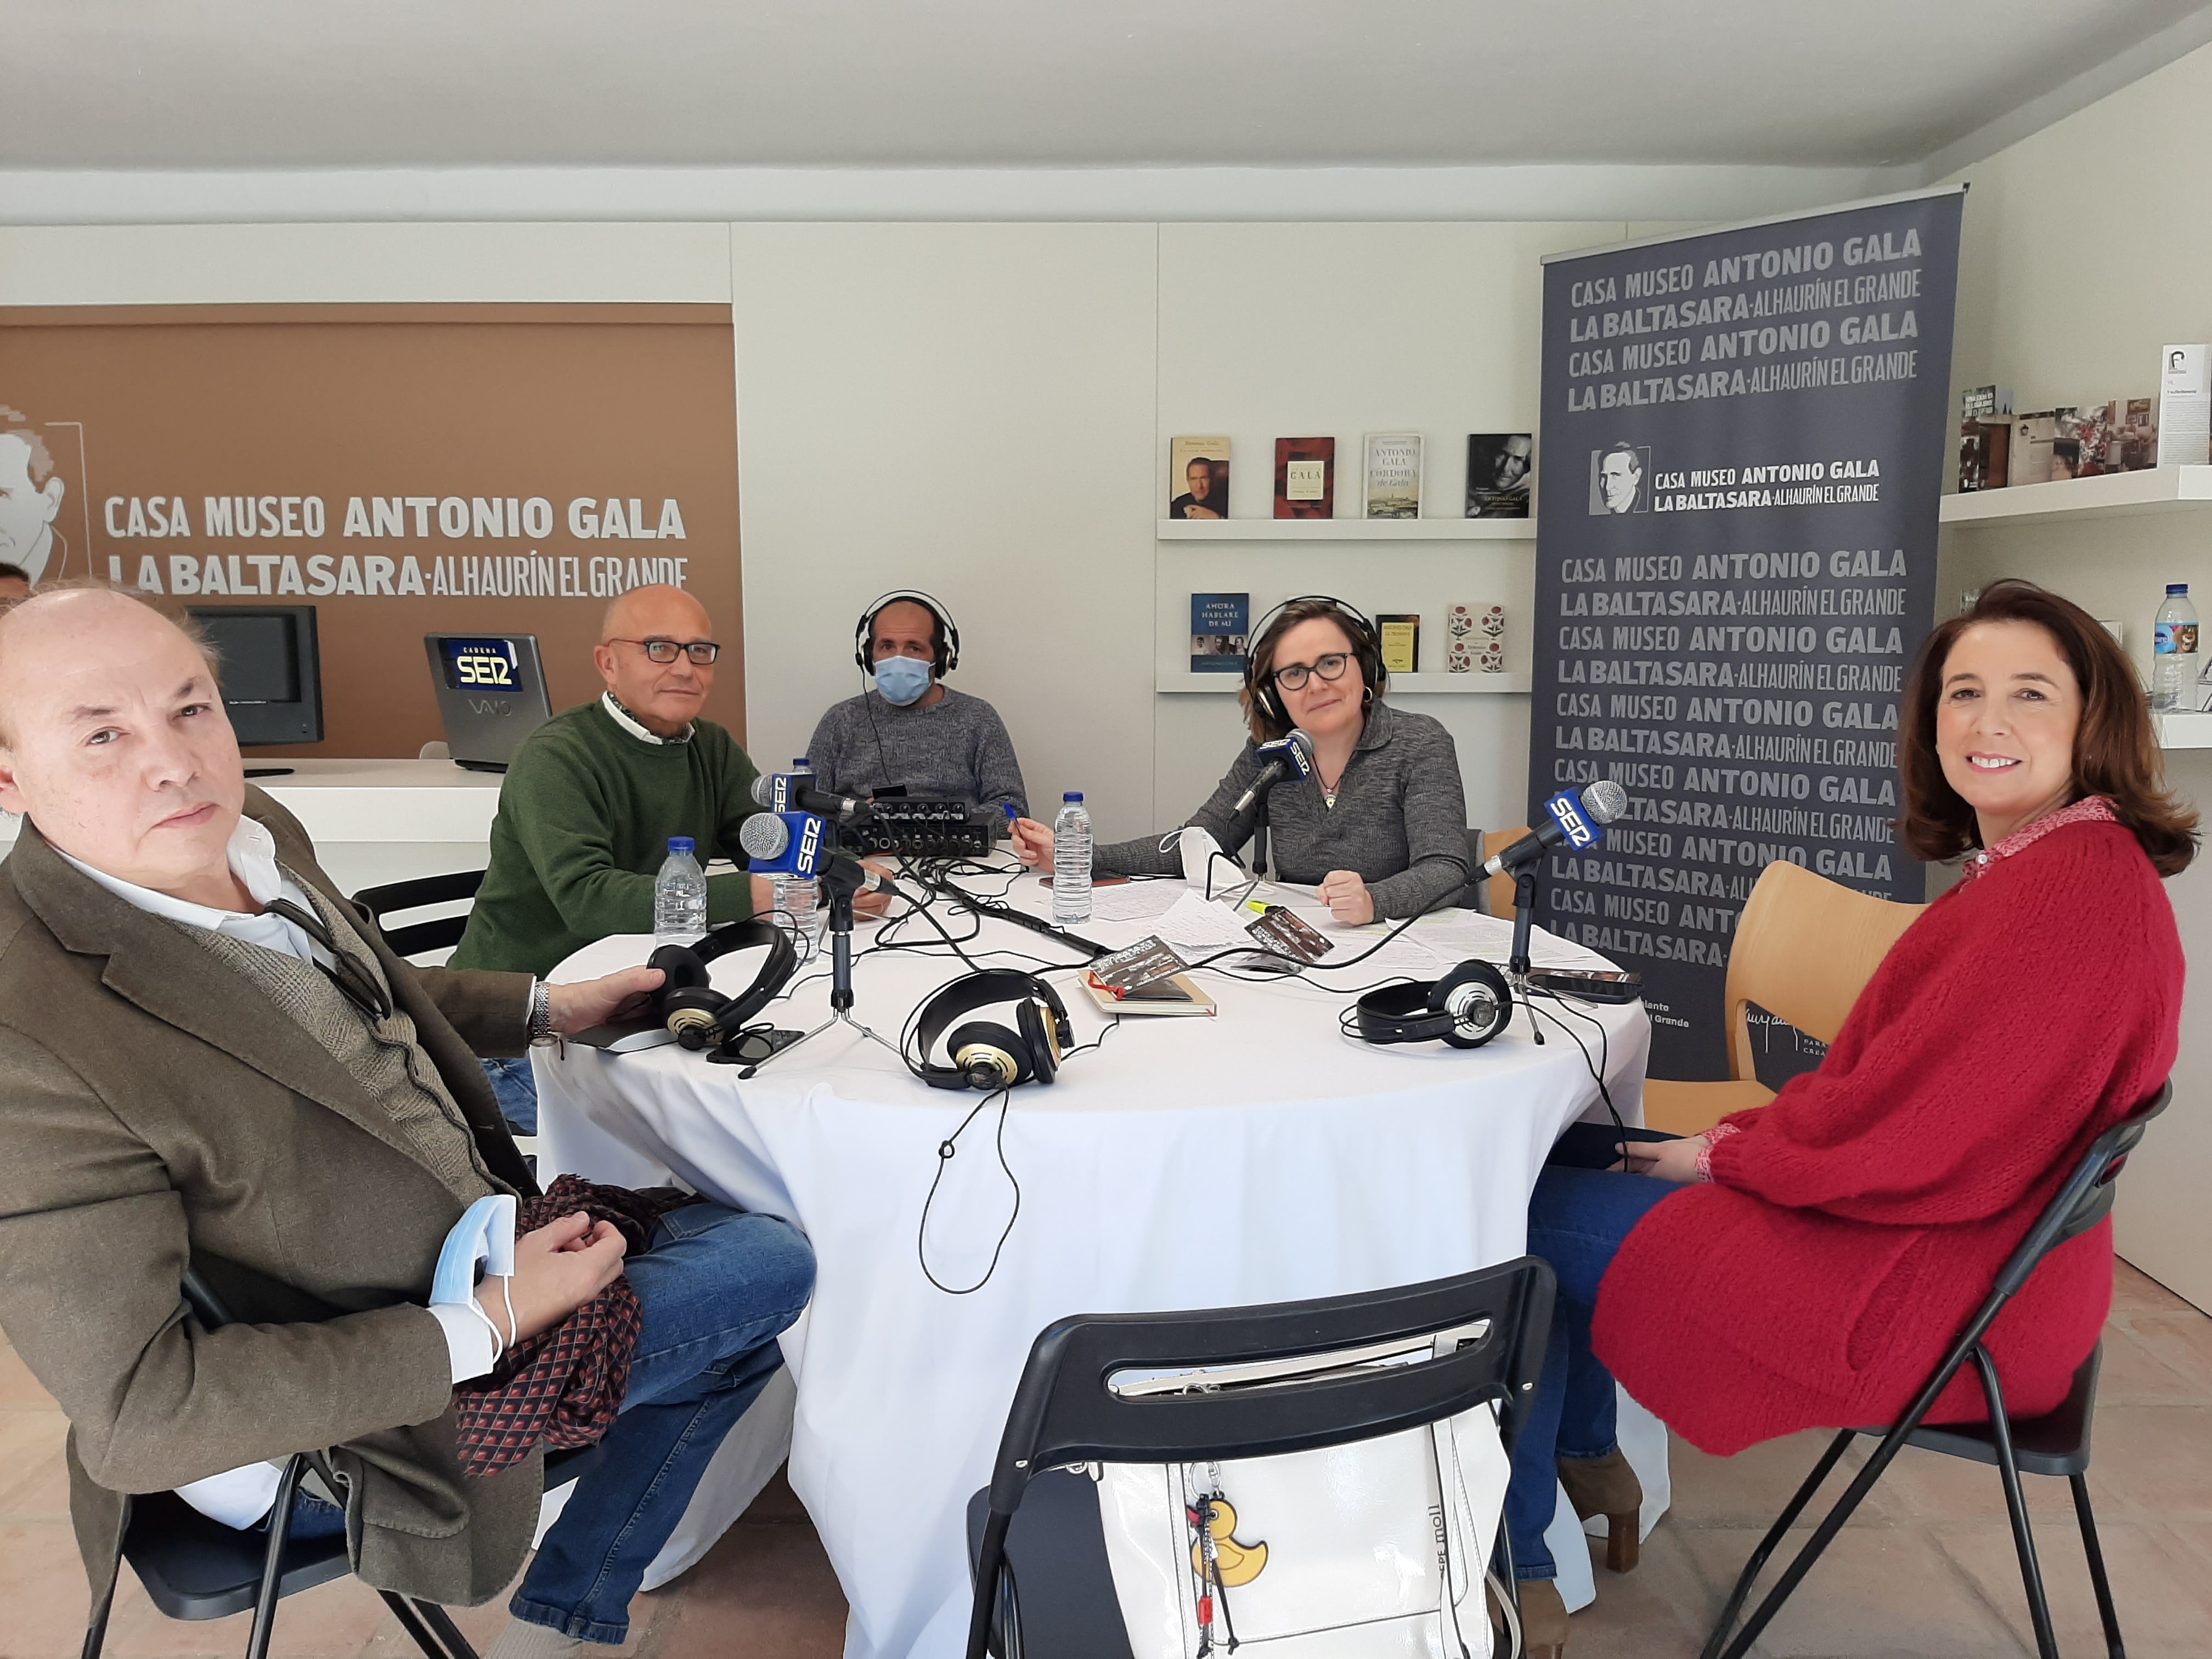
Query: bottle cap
{"x": 802, "y": 764}
{"x": 2176, "y": 587}
{"x": 682, "y": 844}
{"x": 1072, "y": 794}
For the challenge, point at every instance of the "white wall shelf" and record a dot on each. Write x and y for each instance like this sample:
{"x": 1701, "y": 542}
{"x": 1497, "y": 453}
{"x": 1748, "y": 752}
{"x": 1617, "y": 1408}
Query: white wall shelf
{"x": 2184, "y": 731}
{"x": 1475, "y": 684}
{"x": 1349, "y": 530}
{"x": 2156, "y": 489}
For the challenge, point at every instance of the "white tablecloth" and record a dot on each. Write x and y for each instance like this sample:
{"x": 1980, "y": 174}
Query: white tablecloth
{"x": 1188, "y": 1163}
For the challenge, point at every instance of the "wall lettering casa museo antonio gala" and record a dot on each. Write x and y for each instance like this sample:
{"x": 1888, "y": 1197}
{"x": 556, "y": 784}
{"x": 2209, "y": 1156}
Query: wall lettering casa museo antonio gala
{"x": 529, "y": 574}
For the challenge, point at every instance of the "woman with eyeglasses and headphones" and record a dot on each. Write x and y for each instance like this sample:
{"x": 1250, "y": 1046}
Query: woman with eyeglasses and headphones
{"x": 1381, "y": 826}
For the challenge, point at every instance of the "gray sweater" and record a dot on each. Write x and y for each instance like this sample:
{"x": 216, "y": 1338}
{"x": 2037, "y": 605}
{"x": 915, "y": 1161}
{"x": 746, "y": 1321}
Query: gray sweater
{"x": 1400, "y": 821}
{"x": 957, "y": 750}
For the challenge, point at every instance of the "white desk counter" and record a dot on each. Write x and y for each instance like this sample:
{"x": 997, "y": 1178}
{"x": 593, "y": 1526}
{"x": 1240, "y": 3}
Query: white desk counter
{"x": 376, "y": 821}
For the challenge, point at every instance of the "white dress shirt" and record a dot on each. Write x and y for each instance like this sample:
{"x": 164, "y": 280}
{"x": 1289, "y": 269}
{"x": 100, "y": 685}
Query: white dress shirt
{"x": 241, "y": 1498}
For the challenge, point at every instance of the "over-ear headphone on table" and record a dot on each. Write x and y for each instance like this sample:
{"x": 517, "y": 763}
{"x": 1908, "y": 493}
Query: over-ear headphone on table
{"x": 1366, "y": 650}
{"x": 1467, "y": 1007}
{"x": 698, "y": 1015}
{"x": 944, "y": 648}
{"x": 985, "y": 1055}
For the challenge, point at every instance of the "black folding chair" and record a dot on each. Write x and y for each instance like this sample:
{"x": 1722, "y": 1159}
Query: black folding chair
{"x": 439, "y": 933}
{"x": 194, "y": 1567}
{"x": 1067, "y": 1410}
{"x": 2056, "y": 1445}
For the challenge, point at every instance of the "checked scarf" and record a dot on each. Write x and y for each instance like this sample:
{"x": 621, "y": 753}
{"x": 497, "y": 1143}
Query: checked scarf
{"x": 562, "y": 1387}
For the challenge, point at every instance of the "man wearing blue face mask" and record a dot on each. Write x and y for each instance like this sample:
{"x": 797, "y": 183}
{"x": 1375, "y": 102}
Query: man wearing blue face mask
{"x": 912, "y": 734}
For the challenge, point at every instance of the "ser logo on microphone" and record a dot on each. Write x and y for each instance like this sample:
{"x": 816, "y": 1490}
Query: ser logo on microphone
{"x": 810, "y": 846}
{"x": 1579, "y": 832}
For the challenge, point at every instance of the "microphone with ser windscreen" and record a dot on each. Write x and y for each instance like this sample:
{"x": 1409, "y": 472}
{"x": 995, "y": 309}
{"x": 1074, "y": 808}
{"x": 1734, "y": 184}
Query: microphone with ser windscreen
{"x": 798, "y": 844}
{"x": 1285, "y": 756}
{"x": 788, "y": 791}
{"x": 1576, "y": 824}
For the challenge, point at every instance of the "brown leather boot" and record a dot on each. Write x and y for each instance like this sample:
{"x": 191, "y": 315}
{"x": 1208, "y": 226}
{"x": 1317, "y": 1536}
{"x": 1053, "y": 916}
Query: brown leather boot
{"x": 1543, "y": 1620}
{"x": 1607, "y": 1486}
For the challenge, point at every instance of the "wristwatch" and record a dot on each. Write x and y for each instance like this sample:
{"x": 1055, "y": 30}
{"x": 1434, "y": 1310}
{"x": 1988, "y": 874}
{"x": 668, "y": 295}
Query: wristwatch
{"x": 541, "y": 1012}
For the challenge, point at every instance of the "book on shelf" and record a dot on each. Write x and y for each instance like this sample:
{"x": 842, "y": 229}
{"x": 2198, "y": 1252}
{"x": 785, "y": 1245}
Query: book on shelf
{"x": 1498, "y": 474}
{"x": 1401, "y": 642}
{"x": 2138, "y": 434}
{"x": 1198, "y": 478}
{"x": 1219, "y": 624}
{"x": 2081, "y": 447}
{"x": 1984, "y": 451}
{"x": 2185, "y": 405}
{"x": 2035, "y": 435}
{"x": 1305, "y": 478}
{"x": 1985, "y": 403}
{"x": 1391, "y": 480}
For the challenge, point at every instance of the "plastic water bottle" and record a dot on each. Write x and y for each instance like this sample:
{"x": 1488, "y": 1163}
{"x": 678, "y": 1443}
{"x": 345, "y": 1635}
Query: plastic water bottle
{"x": 796, "y": 898}
{"x": 2173, "y": 661}
{"x": 1071, "y": 862}
{"x": 679, "y": 896}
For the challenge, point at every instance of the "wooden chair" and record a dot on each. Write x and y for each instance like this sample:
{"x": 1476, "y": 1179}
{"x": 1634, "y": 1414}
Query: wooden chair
{"x": 1500, "y": 891}
{"x": 1805, "y": 947}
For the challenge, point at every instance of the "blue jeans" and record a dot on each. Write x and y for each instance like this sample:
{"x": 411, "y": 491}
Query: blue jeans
{"x": 516, "y": 1085}
{"x": 1577, "y": 1220}
{"x": 716, "y": 1288}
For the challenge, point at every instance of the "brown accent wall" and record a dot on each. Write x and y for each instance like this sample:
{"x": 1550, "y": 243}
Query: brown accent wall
{"x": 490, "y": 404}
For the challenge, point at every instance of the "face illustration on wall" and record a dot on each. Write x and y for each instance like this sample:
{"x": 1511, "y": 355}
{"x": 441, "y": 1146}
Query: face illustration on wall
{"x": 31, "y": 493}
{"x": 1617, "y": 479}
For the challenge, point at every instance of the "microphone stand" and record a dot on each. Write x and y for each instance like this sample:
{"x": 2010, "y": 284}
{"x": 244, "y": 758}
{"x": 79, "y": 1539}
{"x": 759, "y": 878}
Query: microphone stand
{"x": 842, "y": 878}
{"x": 1516, "y": 963}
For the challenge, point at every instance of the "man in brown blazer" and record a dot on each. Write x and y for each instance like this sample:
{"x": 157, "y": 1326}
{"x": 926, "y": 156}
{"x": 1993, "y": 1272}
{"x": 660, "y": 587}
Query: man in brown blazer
{"x": 208, "y": 1061}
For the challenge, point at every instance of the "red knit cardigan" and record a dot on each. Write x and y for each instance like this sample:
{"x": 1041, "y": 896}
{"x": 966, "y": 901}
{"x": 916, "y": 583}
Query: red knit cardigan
{"x": 1856, "y": 1222}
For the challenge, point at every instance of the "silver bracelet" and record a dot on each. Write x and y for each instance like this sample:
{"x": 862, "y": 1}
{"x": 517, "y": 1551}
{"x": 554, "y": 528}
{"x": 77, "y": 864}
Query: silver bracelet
{"x": 541, "y": 1012}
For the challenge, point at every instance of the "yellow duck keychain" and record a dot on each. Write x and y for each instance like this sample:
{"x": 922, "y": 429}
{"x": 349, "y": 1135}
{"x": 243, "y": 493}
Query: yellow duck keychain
{"x": 1233, "y": 1564}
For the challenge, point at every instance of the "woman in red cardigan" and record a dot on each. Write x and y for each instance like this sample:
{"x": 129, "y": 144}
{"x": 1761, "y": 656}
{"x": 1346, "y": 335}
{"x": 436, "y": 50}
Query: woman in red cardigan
{"x": 1805, "y": 1264}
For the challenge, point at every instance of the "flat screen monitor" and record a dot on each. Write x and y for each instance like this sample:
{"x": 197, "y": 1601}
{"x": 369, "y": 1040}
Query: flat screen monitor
{"x": 492, "y": 694}
{"x": 271, "y": 670}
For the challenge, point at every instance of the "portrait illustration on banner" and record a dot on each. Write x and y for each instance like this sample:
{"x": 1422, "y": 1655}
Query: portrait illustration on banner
{"x": 42, "y": 492}
{"x": 1619, "y": 479}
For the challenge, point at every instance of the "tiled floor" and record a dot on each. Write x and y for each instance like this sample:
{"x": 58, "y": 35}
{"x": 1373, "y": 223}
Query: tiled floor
{"x": 1927, "y": 1570}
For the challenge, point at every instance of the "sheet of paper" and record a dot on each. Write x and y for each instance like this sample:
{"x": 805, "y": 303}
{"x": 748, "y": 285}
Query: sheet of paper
{"x": 1446, "y": 937}
{"x": 1197, "y": 928}
{"x": 1135, "y": 900}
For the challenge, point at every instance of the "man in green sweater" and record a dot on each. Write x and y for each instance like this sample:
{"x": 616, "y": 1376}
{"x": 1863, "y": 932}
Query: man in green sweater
{"x": 592, "y": 799}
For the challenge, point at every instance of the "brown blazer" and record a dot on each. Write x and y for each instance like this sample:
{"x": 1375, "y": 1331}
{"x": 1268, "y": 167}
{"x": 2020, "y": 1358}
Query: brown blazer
{"x": 155, "y": 1111}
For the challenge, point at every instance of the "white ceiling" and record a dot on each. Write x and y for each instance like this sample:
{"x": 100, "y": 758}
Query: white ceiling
{"x": 220, "y": 84}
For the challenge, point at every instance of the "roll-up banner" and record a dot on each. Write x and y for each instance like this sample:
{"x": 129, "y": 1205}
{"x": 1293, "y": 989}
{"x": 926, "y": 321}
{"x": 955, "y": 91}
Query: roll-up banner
{"x": 1744, "y": 436}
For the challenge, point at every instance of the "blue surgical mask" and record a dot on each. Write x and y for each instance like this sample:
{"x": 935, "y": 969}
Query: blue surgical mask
{"x": 901, "y": 679}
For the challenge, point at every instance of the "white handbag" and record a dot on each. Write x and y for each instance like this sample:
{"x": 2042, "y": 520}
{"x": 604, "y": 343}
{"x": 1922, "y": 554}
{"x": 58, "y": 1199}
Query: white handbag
{"x": 1373, "y": 1549}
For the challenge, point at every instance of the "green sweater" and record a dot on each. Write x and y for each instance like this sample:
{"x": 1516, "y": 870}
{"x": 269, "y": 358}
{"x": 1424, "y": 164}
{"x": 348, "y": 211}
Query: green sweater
{"x": 585, "y": 816}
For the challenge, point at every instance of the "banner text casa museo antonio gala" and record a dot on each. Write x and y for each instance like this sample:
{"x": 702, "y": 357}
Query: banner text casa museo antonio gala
{"x": 529, "y": 573}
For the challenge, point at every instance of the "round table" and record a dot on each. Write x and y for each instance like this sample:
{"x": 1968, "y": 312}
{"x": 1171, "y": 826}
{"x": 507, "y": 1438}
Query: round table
{"x": 1258, "y": 1156}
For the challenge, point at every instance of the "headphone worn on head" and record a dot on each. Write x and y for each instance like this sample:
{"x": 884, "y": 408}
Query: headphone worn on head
{"x": 944, "y": 649}
{"x": 1366, "y": 649}
{"x": 699, "y": 1016}
{"x": 987, "y": 1055}
{"x": 1467, "y": 1007}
